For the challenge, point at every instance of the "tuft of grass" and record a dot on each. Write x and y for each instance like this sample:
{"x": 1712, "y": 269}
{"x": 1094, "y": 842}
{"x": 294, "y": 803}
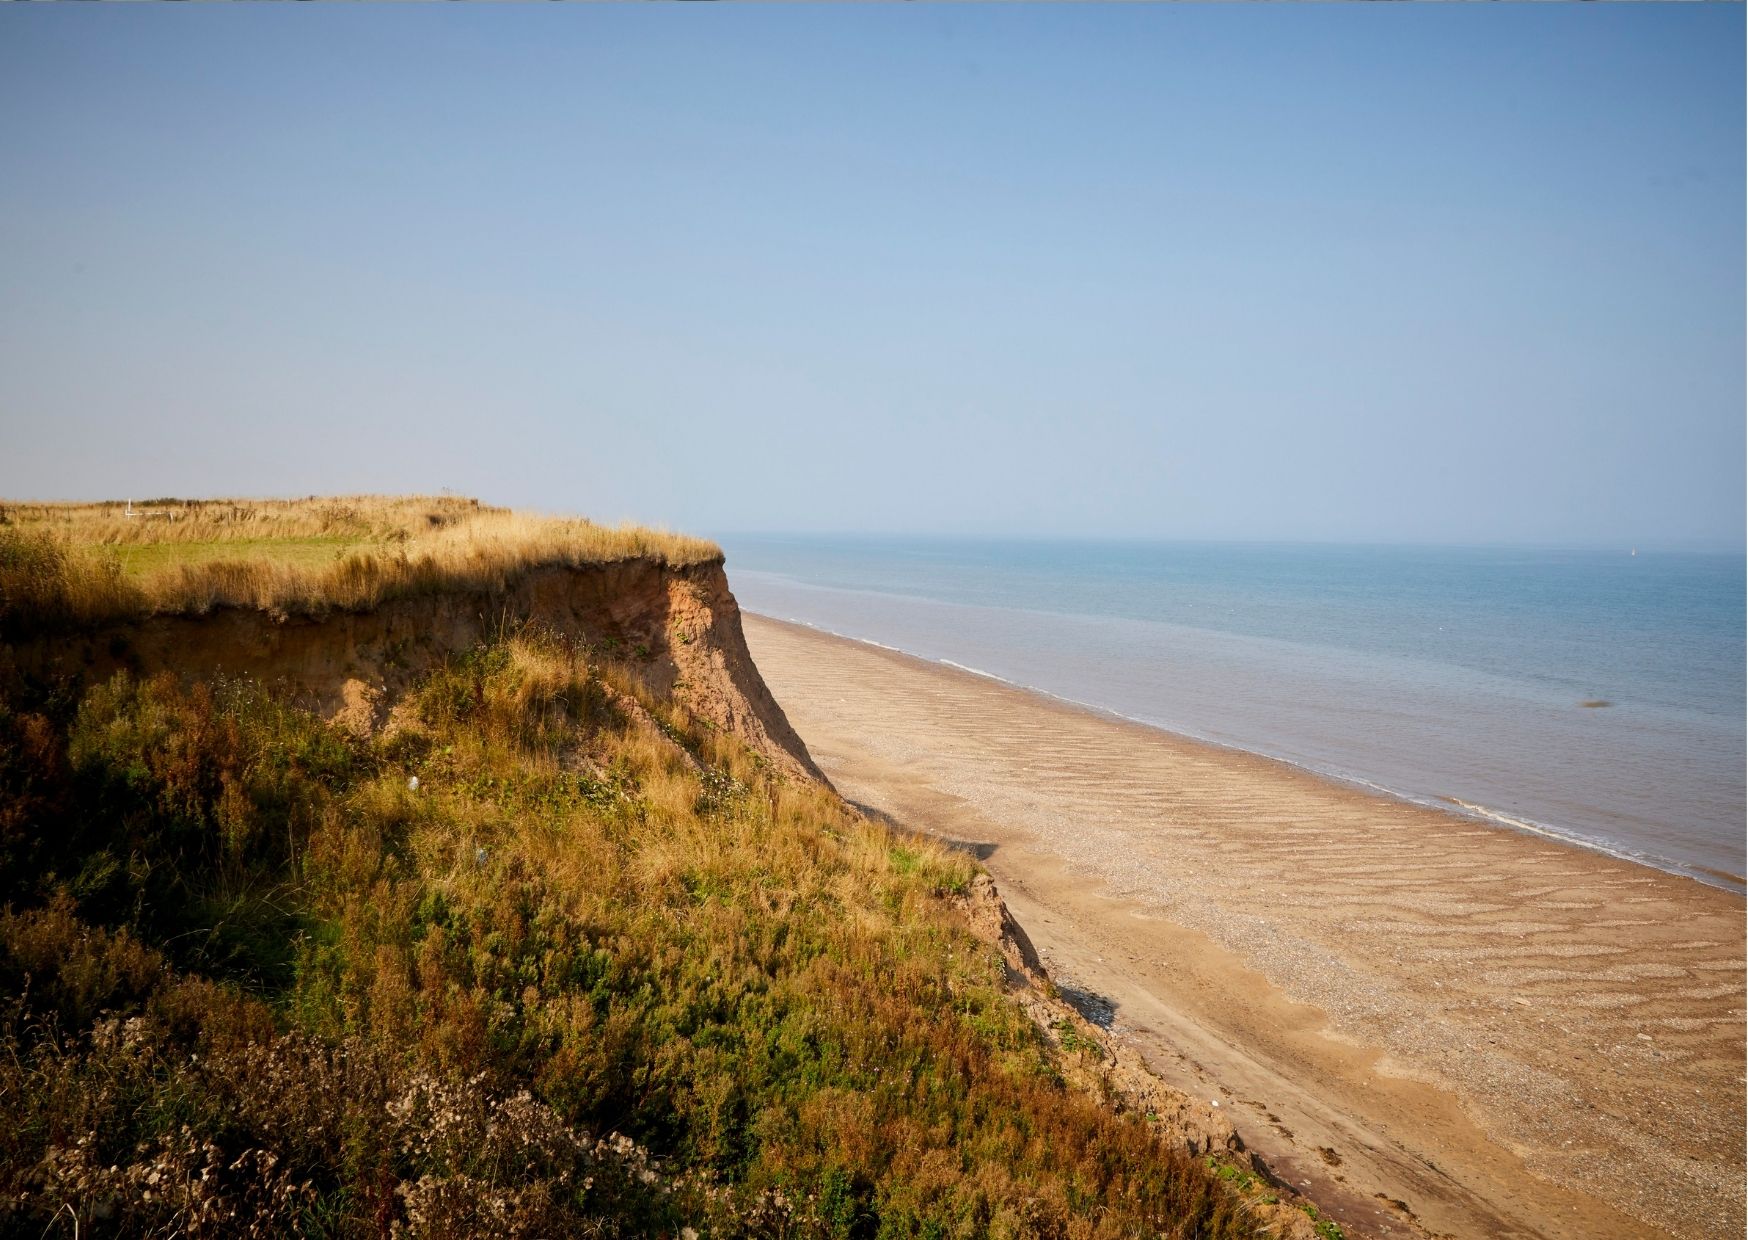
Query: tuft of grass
{"x": 598, "y": 971}
{"x": 1327, "y": 1229}
{"x": 69, "y": 566}
{"x": 47, "y": 585}
{"x": 1075, "y": 1042}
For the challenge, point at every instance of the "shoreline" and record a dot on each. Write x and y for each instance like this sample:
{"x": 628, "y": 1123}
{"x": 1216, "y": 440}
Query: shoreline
{"x": 1503, "y": 1033}
{"x": 1722, "y": 880}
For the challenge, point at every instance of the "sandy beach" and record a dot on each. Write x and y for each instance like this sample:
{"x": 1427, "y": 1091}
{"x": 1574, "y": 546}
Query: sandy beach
{"x": 1433, "y": 1025}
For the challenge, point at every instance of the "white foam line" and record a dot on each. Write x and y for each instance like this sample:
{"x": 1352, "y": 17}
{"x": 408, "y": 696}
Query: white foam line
{"x": 849, "y": 637}
{"x": 977, "y": 671}
{"x": 1531, "y": 827}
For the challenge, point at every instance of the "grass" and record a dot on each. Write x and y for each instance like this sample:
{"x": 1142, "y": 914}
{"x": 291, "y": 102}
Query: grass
{"x": 71, "y": 566}
{"x": 597, "y": 971}
{"x": 143, "y": 561}
{"x": 1327, "y": 1229}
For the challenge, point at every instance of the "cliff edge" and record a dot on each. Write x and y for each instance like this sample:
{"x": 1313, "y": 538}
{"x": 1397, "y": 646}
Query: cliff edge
{"x": 677, "y": 628}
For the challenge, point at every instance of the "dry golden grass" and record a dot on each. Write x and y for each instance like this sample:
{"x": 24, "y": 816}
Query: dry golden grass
{"x": 363, "y": 518}
{"x": 71, "y": 565}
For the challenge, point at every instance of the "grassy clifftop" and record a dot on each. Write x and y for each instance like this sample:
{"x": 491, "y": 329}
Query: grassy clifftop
{"x": 550, "y": 955}
{"x": 78, "y": 565}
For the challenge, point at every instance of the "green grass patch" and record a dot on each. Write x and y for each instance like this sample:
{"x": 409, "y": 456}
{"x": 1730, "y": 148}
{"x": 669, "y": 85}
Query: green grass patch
{"x": 1327, "y": 1229}
{"x": 142, "y": 560}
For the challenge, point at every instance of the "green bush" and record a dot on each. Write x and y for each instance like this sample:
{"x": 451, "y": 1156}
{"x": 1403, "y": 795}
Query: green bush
{"x": 589, "y": 974}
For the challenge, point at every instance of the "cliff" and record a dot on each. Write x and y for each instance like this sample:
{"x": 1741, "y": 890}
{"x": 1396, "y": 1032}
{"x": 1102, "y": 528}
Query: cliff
{"x": 649, "y": 921}
{"x": 677, "y": 628}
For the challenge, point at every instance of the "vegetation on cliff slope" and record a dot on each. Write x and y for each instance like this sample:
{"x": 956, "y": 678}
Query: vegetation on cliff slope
{"x": 553, "y": 958}
{"x": 66, "y": 566}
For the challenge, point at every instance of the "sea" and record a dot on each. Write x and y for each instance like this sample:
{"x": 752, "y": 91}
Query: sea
{"x": 1596, "y": 696}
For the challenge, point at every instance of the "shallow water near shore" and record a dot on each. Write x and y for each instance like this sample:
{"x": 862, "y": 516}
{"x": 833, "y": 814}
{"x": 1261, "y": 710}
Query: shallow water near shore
{"x": 1592, "y": 695}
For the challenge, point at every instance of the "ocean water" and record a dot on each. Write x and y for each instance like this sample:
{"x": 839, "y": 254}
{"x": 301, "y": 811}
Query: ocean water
{"x": 1451, "y": 676}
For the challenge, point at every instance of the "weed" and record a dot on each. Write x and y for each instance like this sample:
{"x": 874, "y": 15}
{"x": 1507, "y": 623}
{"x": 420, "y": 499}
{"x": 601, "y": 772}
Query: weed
{"x": 1328, "y": 1229}
{"x": 1075, "y": 1042}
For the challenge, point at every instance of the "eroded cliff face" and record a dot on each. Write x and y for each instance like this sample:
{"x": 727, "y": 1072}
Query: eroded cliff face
{"x": 677, "y": 629}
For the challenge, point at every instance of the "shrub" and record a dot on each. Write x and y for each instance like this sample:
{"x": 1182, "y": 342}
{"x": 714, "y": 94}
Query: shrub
{"x": 600, "y": 971}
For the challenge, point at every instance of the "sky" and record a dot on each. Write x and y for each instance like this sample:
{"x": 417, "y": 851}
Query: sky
{"x": 1425, "y": 273}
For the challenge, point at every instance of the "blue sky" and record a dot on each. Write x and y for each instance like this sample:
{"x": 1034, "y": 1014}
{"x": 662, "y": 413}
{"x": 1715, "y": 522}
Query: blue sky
{"x": 1377, "y": 273}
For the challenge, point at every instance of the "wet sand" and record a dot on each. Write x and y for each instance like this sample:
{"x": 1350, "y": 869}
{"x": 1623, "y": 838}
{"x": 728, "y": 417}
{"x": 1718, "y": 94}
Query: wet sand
{"x": 1432, "y": 1024}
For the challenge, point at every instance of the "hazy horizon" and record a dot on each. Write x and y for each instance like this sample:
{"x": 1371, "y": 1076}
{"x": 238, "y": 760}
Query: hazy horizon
{"x": 1425, "y": 275}
{"x": 955, "y": 536}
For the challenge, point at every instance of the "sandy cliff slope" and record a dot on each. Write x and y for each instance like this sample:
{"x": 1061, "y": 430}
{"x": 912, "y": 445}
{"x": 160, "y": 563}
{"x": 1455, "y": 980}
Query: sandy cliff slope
{"x": 678, "y": 627}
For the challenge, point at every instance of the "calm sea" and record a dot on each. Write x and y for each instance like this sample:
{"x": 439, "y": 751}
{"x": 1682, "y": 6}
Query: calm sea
{"x": 1452, "y": 676}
